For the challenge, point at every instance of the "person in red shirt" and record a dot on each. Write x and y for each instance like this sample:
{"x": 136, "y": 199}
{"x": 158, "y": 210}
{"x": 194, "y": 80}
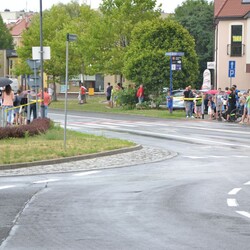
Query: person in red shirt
{"x": 82, "y": 94}
{"x": 46, "y": 100}
{"x": 140, "y": 94}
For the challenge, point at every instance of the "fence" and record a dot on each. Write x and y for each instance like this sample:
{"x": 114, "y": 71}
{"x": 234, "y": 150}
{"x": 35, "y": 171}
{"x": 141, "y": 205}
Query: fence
{"x": 22, "y": 112}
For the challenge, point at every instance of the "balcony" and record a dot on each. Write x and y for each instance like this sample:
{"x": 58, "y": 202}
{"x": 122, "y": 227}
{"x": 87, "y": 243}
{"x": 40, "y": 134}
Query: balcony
{"x": 236, "y": 50}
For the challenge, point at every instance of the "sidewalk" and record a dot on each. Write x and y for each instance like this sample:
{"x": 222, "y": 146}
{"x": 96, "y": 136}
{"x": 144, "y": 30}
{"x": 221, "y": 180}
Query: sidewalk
{"x": 140, "y": 155}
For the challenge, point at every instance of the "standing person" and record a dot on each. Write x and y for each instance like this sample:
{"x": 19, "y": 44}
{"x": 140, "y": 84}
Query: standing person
{"x": 248, "y": 107}
{"x": 46, "y": 100}
{"x": 186, "y": 100}
{"x": 169, "y": 100}
{"x": 115, "y": 94}
{"x": 82, "y": 93}
{"x": 8, "y": 99}
{"x": 191, "y": 102}
{"x": 17, "y": 113}
{"x": 111, "y": 102}
{"x": 33, "y": 109}
{"x": 219, "y": 104}
{"x": 51, "y": 92}
{"x": 198, "y": 104}
{"x": 243, "y": 107}
{"x": 140, "y": 94}
{"x": 0, "y": 96}
{"x": 225, "y": 98}
{"x": 211, "y": 106}
{"x": 231, "y": 102}
{"x": 236, "y": 91}
{"x": 108, "y": 93}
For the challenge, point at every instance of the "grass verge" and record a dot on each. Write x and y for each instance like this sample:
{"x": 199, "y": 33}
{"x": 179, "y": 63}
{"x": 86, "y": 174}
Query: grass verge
{"x": 51, "y": 146}
{"x": 98, "y": 104}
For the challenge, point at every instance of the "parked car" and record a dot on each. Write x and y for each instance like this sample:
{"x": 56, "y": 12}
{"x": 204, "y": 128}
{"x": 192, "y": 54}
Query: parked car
{"x": 178, "y": 95}
{"x": 178, "y": 102}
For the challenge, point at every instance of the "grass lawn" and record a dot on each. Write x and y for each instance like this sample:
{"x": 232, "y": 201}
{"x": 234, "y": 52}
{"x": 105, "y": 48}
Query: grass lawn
{"x": 98, "y": 104}
{"x": 51, "y": 146}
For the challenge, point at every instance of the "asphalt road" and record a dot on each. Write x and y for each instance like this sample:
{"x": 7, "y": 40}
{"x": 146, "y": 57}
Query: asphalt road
{"x": 196, "y": 200}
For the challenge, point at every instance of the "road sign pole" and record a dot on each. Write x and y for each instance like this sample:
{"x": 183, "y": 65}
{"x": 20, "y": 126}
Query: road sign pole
{"x": 70, "y": 38}
{"x": 171, "y": 77}
{"x": 35, "y": 85}
{"x": 41, "y": 56}
{"x": 66, "y": 93}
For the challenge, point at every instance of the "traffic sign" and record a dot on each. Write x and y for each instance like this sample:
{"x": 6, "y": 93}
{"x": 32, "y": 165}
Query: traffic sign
{"x": 34, "y": 64}
{"x": 176, "y": 62}
{"x": 36, "y": 53}
{"x": 174, "y": 54}
{"x": 211, "y": 65}
{"x": 231, "y": 69}
{"x": 71, "y": 37}
{"x": 34, "y": 83}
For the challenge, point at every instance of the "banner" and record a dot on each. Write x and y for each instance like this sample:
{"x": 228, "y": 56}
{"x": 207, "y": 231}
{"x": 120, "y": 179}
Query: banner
{"x": 206, "y": 80}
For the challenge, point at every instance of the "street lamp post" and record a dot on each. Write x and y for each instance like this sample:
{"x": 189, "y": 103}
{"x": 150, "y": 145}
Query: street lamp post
{"x": 70, "y": 38}
{"x": 41, "y": 51}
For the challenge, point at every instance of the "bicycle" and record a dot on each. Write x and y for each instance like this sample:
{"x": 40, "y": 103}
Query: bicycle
{"x": 236, "y": 115}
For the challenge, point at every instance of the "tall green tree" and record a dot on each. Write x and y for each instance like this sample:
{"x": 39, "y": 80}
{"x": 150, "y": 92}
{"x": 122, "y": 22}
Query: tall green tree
{"x": 109, "y": 38}
{"x": 146, "y": 61}
{"x": 6, "y": 40}
{"x": 57, "y": 22}
{"x": 197, "y": 17}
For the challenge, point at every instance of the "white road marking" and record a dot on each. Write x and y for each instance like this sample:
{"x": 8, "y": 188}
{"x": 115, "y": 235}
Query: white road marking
{"x": 196, "y": 157}
{"x": 234, "y": 191}
{"x": 232, "y": 203}
{"x": 86, "y": 173}
{"x": 247, "y": 183}
{"x": 246, "y": 214}
{"x": 214, "y": 156}
{"x": 6, "y": 187}
{"x": 45, "y": 181}
{"x": 236, "y": 131}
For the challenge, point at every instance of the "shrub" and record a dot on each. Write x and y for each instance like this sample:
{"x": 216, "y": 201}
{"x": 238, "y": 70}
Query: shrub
{"x": 127, "y": 98}
{"x": 37, "y": 126}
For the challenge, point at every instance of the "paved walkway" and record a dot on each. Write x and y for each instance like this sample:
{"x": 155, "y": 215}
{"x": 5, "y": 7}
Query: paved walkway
{"x": 135, "y": 157}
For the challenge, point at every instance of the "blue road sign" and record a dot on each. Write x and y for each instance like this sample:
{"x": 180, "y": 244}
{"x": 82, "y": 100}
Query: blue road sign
{"x": 231, "y": 69}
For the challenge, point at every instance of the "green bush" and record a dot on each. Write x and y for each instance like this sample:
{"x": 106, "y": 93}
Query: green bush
{"x": 127, "y": 98}
{"x": 37, "y": 126}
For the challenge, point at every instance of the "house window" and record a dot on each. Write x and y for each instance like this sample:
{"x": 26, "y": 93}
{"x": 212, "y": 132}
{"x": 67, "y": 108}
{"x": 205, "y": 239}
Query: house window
{"x": 236, "y": 40}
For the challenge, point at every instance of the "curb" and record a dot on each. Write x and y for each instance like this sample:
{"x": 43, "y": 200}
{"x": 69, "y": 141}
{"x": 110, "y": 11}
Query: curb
{"x": 69, "y": 159}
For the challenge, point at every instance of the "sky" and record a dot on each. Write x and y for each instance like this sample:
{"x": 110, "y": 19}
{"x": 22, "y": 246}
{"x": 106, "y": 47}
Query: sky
{"x": 168, "y": 6}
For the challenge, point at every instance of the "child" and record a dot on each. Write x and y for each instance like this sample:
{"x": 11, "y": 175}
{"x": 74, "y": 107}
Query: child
{"x": 211, "y": 106}
{"x": 169, "y": 99}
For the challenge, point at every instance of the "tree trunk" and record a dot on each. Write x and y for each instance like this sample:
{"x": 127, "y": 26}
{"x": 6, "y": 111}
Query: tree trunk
{"x": 54, "y": 96}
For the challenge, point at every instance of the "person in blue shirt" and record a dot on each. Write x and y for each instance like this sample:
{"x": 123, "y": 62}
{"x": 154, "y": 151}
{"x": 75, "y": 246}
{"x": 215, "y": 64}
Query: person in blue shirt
{"x": 169, "y": 100}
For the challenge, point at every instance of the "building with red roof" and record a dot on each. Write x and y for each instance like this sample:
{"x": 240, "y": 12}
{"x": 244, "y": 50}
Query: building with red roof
{"x": 232, "y": 50}
{"x": 17, "y": 23}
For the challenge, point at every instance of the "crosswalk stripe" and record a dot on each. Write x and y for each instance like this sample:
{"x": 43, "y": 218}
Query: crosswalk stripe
{"x": 6, "y": 187}
{"x": 246, "y": 214}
